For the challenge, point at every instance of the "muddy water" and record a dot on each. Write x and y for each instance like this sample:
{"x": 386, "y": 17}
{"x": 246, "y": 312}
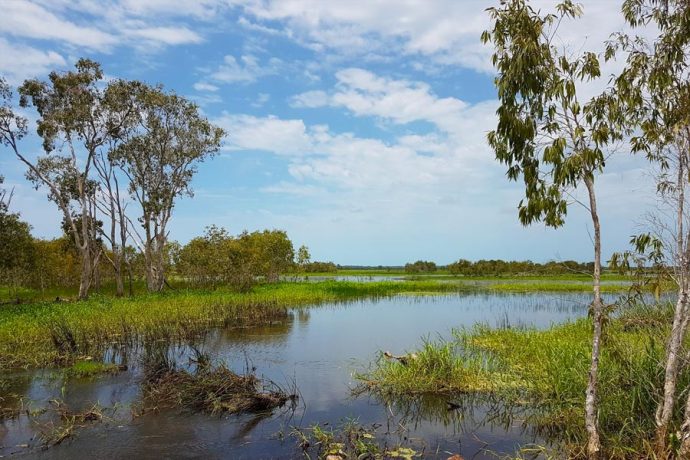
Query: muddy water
{"x": 318, "y": 350}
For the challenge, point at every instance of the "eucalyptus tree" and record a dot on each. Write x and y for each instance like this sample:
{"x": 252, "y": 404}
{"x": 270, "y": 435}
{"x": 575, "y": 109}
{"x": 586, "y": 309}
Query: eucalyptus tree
{"x": 552, "y": 140}
{"x": 655, "y": 89}
{"x": 166, "y": 141}
{"x": 303, "y": 257}
{"x": 112, "y": 199}
{"x": 72, "y": 126}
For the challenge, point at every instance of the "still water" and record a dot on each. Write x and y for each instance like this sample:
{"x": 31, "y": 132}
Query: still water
{"x": 318, "y": 351}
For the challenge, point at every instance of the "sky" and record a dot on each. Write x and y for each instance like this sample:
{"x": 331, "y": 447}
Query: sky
{"x": 358, "y": 127}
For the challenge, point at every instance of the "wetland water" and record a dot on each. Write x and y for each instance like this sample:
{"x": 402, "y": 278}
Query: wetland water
{"x": 318, "y": 350}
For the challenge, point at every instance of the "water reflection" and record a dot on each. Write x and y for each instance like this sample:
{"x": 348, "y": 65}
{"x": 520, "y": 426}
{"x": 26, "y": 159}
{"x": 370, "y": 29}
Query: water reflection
{"x": 319, "y": 350}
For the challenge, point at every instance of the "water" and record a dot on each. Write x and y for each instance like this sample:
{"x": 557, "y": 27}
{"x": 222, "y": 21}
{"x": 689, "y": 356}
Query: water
{"x": 318, "y": 350}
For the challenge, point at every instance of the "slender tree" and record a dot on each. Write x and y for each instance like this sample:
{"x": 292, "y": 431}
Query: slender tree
{"x": 73, "y": 127}
{"x": 164, "y": 145}
{"x": 655, "y": 90}
{"x": 112, "y": 199}
{"x": 549, "y": 138}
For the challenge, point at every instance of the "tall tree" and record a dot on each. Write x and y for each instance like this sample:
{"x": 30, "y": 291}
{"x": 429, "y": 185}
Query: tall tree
{"x": 655, "y": 88}
{"x": 549, "y": 138}
{"x": 112, "y": 201}
{"x": 73, "y": 127}
{"x": 164, "y": 146}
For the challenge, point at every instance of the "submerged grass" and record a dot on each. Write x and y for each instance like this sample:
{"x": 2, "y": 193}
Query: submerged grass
{"x": 48, "y": 333}
{"x": 547, "y": 371}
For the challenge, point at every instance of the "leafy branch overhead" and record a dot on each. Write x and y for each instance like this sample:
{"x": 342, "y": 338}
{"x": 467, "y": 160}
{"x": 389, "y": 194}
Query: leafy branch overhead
{"x": 545, "y": 133}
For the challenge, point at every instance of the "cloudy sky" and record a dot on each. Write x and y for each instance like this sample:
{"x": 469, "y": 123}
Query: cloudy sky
{"x": 359, "y": 127}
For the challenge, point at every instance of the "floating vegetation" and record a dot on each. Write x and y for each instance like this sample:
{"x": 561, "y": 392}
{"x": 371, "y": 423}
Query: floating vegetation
{"x": 350, "y": 440}
{"x": 58, "y": 422}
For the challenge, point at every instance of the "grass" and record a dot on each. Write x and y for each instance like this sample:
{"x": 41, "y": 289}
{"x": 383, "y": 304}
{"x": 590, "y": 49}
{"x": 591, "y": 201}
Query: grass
{"x": 41, "y": 334}
{"x": 547, "y": 370}
{"x": 550, "y": 285}
{"x": 90, "y": 368}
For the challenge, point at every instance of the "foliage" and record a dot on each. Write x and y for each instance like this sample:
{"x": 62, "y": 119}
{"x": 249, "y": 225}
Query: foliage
{"x": 74, "y": 123}
{"x": 501, "y": 267}
{"x": 90, "y": 368}
{"x": 165, "y": 140}
{"x": 420, "y": 266}
{"x": 320, "y": 267}
{"x": 217, "y": 258}
{"x": 17, "y": 255}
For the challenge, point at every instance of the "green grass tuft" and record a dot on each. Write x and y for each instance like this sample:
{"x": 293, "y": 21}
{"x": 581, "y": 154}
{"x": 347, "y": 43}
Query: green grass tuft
{"x": 548, "y": 370}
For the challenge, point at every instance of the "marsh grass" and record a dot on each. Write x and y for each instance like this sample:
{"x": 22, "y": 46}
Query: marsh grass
{"x": 48, "y": 333}
{"x": 546, "y": 370}
{"x": 90, "y": 368}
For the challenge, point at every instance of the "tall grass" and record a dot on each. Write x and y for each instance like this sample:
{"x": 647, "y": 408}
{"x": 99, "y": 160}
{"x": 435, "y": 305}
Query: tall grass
{"x": 548, "y": 370}
{"x": 46, "y": 333}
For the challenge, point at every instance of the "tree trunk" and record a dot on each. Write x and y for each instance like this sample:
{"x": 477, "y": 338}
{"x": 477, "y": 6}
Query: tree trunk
{"x": 685, "y": 433}
{"x": 86, "y": 275}
{"x": 96, "y": 276}
{"x": 591, "y": 411}
{"x": 119, "y": 281}
{"x": 155, "y": 273}
{"x": 664, "y": 412}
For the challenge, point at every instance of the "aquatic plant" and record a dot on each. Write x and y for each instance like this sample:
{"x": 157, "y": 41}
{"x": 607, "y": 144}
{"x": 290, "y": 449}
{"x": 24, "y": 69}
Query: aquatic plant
{"x": 543, "y": 370}
{"x": 91, "y": 368}
{"x": 350, "y": 440}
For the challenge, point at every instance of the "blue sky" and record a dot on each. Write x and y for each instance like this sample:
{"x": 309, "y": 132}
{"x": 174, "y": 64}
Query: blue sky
{"x": 359, "y": 127}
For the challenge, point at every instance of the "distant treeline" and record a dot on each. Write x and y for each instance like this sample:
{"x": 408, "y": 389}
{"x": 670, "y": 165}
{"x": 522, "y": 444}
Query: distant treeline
{"x": 420, "y": 266}
{"x": 500, "y": 267}
{"x": 213, "y": 259}
{"x": 320, "y": 267}
{"x": 503, "y": 267}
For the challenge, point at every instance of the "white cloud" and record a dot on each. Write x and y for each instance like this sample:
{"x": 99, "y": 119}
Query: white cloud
{"x": 25, "y": 19}
{"x": 201, "y": 9}
{"x": 99, "y": 26}
{"x": 310, "y": 99}
{"x": 166, "y": 35}
{"x": 20, "y": 62}
{"x": 447, "y": 31}
{"x": 246, "y": 69}
{"x": 363, "y": 93}
{"x": 261, "y": 99}
{"x": 202, "y": 86}
{"x": 283, "y": 137}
